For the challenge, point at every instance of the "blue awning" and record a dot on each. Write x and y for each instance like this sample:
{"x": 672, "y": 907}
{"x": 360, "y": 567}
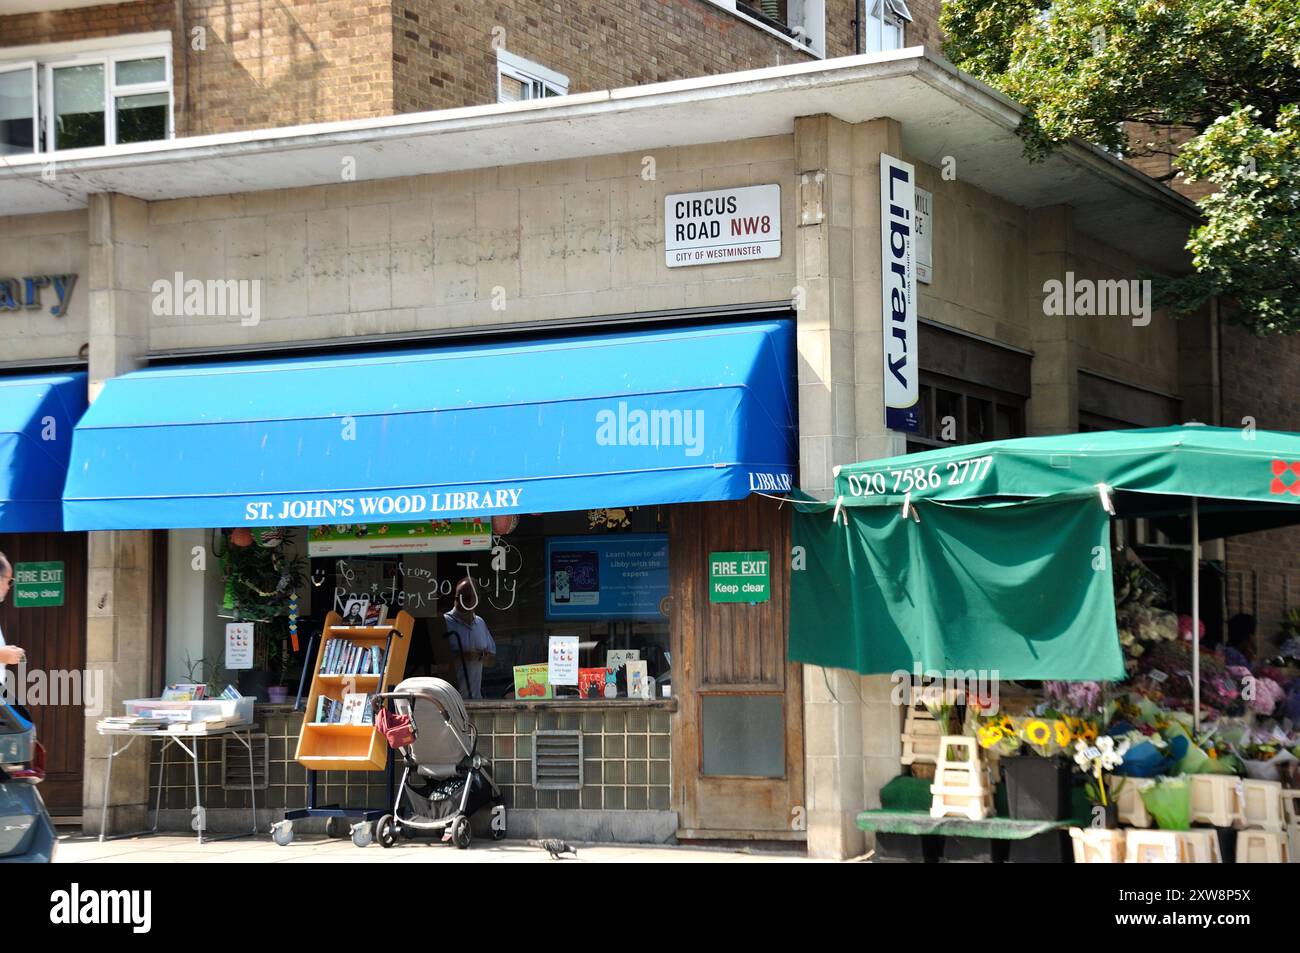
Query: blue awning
{"x": 632, "y": 418}
{"x": 36, "y": 419}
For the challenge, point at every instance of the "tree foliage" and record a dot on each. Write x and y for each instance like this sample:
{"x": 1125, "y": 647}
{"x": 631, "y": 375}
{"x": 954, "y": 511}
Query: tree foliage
{"x": 1214, "y": 84}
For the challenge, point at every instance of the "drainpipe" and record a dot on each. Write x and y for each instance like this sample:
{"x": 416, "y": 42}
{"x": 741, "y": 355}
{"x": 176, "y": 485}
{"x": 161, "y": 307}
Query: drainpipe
{"x": 857, "y": 26}
{"x": 184, "y": 65}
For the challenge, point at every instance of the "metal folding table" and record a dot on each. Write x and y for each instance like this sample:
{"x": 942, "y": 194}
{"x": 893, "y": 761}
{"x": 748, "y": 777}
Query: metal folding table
{"x": 244, "y": 733}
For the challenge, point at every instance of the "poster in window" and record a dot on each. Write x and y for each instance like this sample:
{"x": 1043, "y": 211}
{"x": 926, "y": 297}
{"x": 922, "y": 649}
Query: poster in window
{"x": 239, "y": 645}
{"x": 621, "y": 576}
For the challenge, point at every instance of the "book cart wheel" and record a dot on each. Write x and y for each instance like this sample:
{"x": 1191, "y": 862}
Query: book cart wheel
{"x": 333, "y": 827}
{"x": 282, "y": 833}
{"x": 362, "y": 834}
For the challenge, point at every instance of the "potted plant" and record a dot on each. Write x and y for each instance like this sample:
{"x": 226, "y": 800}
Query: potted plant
{"x": 280, "y": 658}
{"x": 216, "y": 675}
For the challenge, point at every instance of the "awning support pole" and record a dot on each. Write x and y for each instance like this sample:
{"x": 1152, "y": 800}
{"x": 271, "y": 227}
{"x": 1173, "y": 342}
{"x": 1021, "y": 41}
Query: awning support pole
{"x": 1196, "y": 615}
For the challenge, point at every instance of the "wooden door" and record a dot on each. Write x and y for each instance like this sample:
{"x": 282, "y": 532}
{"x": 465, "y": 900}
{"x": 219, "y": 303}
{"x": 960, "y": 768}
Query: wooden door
{"x": 738, "y": 738}
{"x": 55, "y": 641}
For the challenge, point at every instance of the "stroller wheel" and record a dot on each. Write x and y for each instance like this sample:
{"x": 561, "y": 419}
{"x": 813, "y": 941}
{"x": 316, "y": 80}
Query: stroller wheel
{"x": 385, "y": 831}
{"x": 460, "y": 832}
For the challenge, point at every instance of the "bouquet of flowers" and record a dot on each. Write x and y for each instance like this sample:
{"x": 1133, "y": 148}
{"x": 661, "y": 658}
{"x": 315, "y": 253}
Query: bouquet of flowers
{"x": 1075, "y": 698}
{"x": 1262, "y": 694}
{"x": 1096, "y": 760}
{"x": 1140, "y": 623}
{"x": 1265, "y": 752}
{"x": 997, "y": 735}
{"x": 1048, "y": 737}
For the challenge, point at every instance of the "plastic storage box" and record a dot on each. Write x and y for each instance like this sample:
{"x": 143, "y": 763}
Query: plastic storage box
{"x": 233, "y": 711}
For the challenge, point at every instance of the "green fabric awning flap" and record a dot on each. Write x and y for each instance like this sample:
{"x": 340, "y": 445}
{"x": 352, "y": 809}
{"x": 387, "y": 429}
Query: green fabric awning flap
{"x": 1018, "y": 591}
{"x": 1246, "y": 479}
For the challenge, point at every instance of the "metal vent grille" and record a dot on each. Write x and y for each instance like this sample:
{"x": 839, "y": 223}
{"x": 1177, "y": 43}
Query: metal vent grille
{"x": 557, "y": 760}
{"x": 234, "y": 764}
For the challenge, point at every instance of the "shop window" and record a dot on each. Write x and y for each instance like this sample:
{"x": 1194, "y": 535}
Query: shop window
{"x": 742, "y": 736}
{"x": 599, "y": 577}
{"x": 519, "y": 79}
{"x": 78, "y": 98}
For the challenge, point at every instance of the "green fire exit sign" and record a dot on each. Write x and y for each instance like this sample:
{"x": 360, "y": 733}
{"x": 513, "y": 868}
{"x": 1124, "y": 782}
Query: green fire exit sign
{"x": 739, "y": 577}
{"x": 38, "y": 584}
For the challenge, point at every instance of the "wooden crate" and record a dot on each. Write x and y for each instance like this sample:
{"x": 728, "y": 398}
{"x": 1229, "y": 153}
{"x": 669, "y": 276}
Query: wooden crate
{"x": 1097, "y": 845}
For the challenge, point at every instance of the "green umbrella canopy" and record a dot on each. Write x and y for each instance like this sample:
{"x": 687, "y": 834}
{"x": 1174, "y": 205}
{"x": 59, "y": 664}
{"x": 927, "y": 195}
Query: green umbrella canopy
{"x": 1004, "y": 565}
{"x": 1245, "y": 479}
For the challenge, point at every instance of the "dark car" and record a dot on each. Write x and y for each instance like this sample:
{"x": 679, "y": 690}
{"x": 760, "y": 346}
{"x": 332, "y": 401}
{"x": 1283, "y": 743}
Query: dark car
{"x": 26, "y": 831}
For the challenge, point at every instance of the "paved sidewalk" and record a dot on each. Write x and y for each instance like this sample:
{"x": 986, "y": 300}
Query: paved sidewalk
{"x": 307, "y": 849}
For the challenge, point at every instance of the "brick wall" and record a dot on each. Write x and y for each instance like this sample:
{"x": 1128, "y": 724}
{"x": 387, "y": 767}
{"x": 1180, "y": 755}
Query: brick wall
{"x": 1159, "y": 165}
{"x": 444, "y": 57}
{"x": 258, "y": 63}
{"x": 924, "y": 28}
{"x": 1259, "y": 380}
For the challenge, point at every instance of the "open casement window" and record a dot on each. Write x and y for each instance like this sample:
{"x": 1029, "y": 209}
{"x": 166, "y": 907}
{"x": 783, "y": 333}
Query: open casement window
{"x": 519, "y": 79}
{"x": 18, "y": 112}
{"x": 108, "y": 99}
{"x": 885, "y": 19}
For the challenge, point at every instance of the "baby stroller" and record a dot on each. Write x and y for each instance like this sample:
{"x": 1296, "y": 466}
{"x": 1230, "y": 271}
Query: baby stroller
{"x": 444, "y": 780}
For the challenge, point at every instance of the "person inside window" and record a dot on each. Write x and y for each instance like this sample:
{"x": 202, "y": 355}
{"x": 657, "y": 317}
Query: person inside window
{"x": 470, "y": 641}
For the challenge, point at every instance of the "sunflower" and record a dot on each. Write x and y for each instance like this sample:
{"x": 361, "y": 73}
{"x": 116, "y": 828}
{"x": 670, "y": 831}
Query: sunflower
{"x": 990, "y": 735}
{"x": 1007, "y": 725}
{"x": 1062, "y": 733}
{"x": 1037, "y": 732}
{"x": 1088, "y": 732}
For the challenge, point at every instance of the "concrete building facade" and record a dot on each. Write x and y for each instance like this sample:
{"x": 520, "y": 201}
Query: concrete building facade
{"x": 422, "y": 240}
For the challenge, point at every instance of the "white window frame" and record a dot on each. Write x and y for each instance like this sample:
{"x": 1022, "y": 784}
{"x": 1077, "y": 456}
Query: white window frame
{"x": 112, "y": 90}
{"x": 885, "y": 19}
{"x": 534, "y": 76}
{"x": 814, "y": 25}
{"x": 35, "y": 69}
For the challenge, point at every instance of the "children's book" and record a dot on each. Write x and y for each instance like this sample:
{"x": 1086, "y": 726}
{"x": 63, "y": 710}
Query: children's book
{"x": 531, "y": 682}
{"x": 591, "y": 682}
{"x": 638, "y": 685}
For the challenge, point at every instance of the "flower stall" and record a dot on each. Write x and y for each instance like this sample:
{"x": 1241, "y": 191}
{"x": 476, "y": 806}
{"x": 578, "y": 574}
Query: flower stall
{"x": 1116, "y": 735}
